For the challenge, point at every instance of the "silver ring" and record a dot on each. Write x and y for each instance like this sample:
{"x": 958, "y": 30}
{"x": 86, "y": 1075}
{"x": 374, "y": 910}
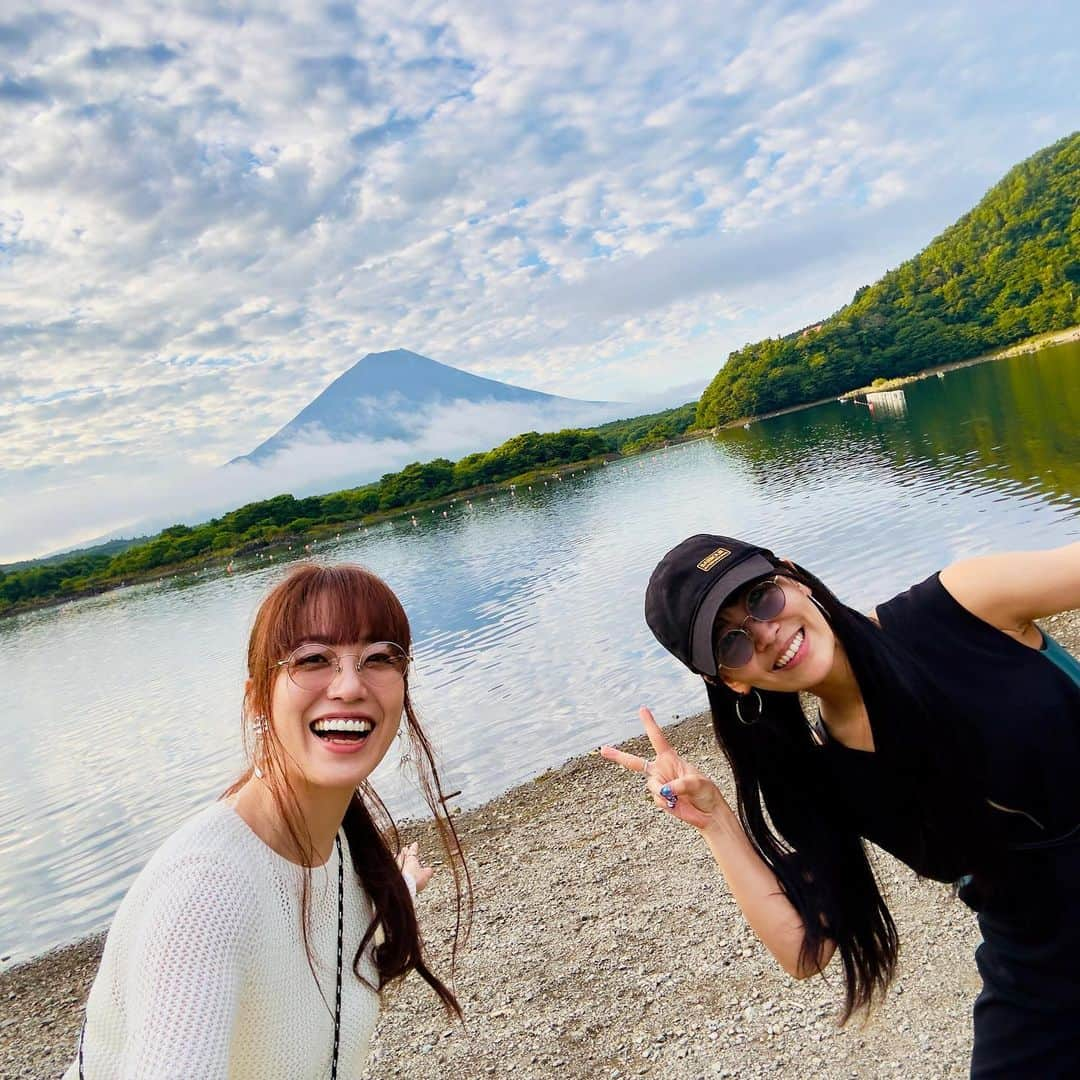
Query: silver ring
{"x": 645, "y": 763}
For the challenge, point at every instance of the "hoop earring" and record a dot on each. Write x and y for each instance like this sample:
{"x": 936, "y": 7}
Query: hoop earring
{"x": 760, "y": 708}
{"x": 258, "y": 727}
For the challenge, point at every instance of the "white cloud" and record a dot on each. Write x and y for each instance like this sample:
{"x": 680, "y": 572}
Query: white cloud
{"x": 207, "y": 213}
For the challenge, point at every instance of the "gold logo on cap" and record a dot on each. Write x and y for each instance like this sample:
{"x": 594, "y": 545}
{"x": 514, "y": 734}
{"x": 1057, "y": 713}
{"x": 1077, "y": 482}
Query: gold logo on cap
{"x": 711, "y": 560}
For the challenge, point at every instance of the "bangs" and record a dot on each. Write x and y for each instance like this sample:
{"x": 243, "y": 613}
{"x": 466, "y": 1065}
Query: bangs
{"x": 337, "y": 605}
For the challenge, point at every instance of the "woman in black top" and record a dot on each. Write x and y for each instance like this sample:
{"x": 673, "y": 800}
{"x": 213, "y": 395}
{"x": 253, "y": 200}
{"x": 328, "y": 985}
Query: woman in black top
{"x": 946, "y": 730}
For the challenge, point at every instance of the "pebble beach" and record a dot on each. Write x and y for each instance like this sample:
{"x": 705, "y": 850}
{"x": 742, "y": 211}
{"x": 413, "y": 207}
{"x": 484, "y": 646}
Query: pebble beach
{"x": 605, "y": 944}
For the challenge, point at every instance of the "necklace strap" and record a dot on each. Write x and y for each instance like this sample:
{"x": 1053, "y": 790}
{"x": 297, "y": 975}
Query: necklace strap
{"x": 340, "y": 937}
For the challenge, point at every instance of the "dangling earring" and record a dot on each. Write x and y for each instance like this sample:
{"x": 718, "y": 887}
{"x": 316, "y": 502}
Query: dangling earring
{"x": 760, "y": 708}
{"x": 405, "y": 755}
{"x": 817, "y": 603}
{"x": 258, "y": 727}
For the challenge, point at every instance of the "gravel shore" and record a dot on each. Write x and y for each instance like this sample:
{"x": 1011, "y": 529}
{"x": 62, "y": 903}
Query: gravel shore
{"x": 605, "y": 944}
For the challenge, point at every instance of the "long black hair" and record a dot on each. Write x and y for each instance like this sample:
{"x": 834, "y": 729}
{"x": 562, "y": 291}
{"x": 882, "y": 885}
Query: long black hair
{"x": 811, "y": 836}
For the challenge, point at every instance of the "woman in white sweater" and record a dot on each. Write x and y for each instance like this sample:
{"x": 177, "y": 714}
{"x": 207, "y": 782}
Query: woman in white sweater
{"x": 255, "y": 942}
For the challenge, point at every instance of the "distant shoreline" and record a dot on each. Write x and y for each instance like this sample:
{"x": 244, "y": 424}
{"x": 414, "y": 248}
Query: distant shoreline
{"x": 1031, "y": 345}
{"x": 1028, "y": 345}
{"x": 311, "y": 537}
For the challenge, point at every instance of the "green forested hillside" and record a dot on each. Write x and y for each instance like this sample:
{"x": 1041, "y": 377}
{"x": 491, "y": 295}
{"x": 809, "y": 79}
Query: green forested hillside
{"x": 642, "y": 432}
{"x": 107, "y": 547}
{"x": 1008, "y": 269}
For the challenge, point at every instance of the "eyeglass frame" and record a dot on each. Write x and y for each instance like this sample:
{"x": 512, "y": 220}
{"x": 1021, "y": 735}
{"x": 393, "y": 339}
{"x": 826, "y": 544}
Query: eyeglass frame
{"x": 741, "y": 628}
{"x": 339, "y": 657}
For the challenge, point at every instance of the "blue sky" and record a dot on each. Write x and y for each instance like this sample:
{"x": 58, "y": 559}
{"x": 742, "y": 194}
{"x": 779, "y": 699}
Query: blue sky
{"x": 209, "y": 210}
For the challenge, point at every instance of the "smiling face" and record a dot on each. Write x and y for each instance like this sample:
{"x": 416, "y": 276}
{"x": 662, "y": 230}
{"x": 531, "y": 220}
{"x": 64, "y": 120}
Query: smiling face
{"x": 327, "y": 731}
{"x": 336, "y": 736}
{"x": 794, "y": 651}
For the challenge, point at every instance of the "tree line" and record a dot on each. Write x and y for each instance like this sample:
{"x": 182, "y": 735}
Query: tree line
{"x": 270, "y": 521}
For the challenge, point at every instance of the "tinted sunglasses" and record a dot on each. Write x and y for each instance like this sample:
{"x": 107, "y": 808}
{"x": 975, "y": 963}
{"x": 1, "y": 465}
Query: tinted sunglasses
{"x": 764, "y": 601}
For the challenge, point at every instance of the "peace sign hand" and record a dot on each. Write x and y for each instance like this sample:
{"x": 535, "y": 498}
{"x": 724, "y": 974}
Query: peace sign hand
{"x": 677, "y": 787}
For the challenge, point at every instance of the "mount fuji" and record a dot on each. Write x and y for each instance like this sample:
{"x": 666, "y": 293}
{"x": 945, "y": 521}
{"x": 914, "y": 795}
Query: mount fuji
{"x": 399, "y": 396}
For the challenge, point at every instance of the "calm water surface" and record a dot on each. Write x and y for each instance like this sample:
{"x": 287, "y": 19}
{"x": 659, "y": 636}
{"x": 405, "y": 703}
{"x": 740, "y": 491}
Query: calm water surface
{"x": 120, "y": 715}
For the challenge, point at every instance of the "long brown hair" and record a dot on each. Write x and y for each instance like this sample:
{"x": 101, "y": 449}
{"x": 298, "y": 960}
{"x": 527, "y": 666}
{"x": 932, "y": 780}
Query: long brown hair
{"x": 339, "y": 605}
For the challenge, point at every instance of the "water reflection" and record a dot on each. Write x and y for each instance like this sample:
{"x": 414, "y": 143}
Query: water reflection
{"x": 1012, "y": 424}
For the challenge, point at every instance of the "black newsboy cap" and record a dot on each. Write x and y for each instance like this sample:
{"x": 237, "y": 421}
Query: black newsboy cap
{"x": 689, "y": 586}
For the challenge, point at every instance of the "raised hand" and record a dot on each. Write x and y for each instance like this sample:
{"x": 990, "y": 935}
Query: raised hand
{"x": 677, "y": 787}
{"x": 408, "y": 859}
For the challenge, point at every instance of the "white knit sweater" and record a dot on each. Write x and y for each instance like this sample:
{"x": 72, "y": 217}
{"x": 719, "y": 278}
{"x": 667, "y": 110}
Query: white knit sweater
{"x": 205, "y": 975}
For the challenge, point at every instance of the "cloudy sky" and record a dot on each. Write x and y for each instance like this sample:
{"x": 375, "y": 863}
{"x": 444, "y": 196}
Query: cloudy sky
{"x": 209, "y": 210}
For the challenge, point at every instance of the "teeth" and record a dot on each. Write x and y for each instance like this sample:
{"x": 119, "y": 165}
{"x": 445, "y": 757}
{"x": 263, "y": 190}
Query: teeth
{"x": 790, "y": 651}
{"x": 341, "y": 724}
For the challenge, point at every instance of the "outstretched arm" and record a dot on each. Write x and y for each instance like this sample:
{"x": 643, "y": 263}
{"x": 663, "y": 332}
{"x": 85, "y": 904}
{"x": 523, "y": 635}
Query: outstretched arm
{"x": 695, "y": 799}
{"x": 1010, "y": 590}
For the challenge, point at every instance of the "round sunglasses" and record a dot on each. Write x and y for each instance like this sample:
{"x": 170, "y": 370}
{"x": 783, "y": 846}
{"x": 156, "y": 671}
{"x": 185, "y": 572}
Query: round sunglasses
{"x": 764, "y": 601}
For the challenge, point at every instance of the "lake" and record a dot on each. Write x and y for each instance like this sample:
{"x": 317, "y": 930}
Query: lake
{"x": 120, "y": 714}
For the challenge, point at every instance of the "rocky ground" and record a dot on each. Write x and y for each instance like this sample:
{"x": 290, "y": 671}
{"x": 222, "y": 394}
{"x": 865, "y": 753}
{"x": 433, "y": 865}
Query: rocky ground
{"x": 605, "y": 944}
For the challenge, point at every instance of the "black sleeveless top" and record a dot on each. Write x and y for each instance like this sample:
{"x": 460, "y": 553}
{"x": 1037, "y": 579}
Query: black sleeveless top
{"x": 1025, "y": 710}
